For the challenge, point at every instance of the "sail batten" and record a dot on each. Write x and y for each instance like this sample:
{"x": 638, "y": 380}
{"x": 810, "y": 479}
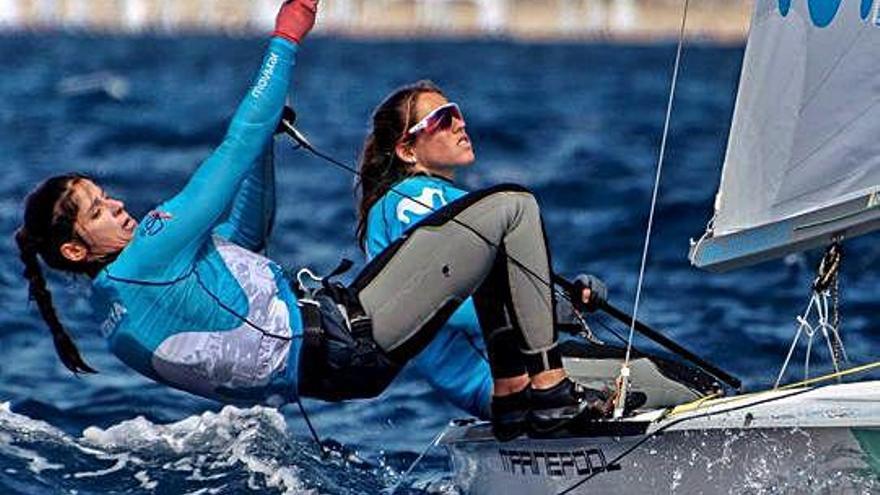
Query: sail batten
{"x": 805, "y": 135}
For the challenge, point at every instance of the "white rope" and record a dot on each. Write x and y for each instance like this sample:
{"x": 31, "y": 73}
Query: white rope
{"x": 819, "y": 301}
{"x": 804, "y": 327}
{"x": 405, "y": 475}
{"x": 825, "y": 289}
{"x": 624, "y": 372}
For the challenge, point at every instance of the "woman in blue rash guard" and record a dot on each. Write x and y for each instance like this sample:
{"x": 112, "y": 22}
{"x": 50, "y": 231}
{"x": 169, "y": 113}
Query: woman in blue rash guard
{"x": 454, "y": 362}
{"x": 407, "y": 171}
{"x": 191, "y": 304}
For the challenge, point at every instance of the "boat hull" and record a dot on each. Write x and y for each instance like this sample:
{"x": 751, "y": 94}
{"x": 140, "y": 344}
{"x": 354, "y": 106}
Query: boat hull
{"x": 823, "y": 440}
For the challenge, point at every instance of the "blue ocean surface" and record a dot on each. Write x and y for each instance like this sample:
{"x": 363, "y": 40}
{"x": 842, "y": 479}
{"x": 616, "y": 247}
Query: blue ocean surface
{"x": 580, "y": 124}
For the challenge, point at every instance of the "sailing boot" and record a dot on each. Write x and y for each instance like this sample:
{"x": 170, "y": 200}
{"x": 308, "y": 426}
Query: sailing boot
{"x": 509, "y": 414}
{"x": 566, "y": 402}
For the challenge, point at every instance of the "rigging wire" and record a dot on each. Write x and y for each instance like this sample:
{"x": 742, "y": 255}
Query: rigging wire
{"x": 325, "y": 452}
{"x": 825, "y": 287}
{"x": 267, "y": 234}
{"x": 624, "y": 370}
{"x": 425, "y": 451}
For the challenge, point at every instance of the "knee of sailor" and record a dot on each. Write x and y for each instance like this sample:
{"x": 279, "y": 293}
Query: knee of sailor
{"x": 521, "y": 201}
{"x": 530, "y": 202}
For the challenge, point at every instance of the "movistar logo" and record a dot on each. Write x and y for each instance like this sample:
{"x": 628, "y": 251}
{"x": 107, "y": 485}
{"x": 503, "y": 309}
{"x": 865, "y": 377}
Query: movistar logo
{"x": 822, "y": 12}
{"x": 154, "y": 222}
{"x": 265, "y": 75}
{"x": 420, "y": 205}
{"x": 114, "y": 318}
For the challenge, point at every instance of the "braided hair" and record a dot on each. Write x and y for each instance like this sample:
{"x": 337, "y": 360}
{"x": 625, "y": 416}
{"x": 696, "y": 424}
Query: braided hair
{"x": 380, "y": 167}
{"x": 49, "y": 218}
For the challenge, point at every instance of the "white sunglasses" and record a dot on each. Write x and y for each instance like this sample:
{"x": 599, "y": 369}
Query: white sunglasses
{"x": 439, "y": 119}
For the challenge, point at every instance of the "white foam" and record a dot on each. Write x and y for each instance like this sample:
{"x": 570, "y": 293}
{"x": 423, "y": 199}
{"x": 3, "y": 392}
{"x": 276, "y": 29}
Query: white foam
{"x": 232, "y": 430}
{"x": 183, "y": 435}
{"x": 36, "y": 462}
{"x": 205, "y": 491}
{"x": 209, "y": 446}
{"x": 10, "y": 421}
{"x": 27, "y": 427}
{"x": 146, "y": 482}
{"x": 121, "y": 463}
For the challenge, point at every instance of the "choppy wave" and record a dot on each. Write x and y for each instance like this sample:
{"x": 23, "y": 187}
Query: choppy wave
{"x": 231, "y": 451}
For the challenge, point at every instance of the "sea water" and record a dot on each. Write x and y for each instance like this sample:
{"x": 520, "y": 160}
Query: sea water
{"x": 579, "y": 124}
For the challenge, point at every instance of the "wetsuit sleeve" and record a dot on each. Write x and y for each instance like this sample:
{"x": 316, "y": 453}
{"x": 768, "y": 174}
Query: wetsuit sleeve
{"x": 190, "y": 216}
{"x": 252, "y": 216}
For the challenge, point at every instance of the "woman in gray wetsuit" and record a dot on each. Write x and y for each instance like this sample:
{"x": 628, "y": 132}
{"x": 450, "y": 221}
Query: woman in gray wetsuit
{"x": 190, "y": 302}
{"x": 417, "y": 143}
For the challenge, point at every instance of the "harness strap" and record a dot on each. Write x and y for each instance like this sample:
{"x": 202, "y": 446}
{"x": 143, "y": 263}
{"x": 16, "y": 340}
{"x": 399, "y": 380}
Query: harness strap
{"x": 313, "y": 332}
{"x": 359, "y": 325}
{"x": 344, "y": 265}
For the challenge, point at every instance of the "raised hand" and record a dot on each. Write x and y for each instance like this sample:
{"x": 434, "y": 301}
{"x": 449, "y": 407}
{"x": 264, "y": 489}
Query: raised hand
{"x": 295, "y": 19}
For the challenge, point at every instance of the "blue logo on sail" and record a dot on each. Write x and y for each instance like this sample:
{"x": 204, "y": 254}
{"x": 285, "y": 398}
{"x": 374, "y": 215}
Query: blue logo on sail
{"x": 822, "y": 12}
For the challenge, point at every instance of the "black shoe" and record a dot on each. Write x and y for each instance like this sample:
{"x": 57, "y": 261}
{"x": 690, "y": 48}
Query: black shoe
{"x": 556, "y": 407}
{"x": 509, "y": 414}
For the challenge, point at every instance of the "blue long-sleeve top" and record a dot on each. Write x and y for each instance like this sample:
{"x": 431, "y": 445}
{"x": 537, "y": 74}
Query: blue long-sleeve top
{"x": 454, "y": 361}
{"x": 189, "y": 302}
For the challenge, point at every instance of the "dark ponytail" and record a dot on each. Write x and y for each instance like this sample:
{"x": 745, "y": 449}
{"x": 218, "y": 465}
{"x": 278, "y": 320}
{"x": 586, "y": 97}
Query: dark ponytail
{"x": 380, "y": 167}
{"x": 48, "y": 223}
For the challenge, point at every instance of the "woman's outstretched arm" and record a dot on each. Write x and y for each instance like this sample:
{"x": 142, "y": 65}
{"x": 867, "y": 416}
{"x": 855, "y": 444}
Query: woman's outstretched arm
{"x": 192, "y": 213}
{"x": 183, "y": 222}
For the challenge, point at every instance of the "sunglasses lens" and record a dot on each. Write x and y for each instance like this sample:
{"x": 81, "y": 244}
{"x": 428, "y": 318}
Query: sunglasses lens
{"x": 456, "y": 112}
{"x": 438, "y": 120}
{"x": 442, "y": 120}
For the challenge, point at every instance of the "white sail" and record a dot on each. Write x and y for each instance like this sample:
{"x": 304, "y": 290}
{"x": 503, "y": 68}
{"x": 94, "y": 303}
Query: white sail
{"x": 805, "y": 136}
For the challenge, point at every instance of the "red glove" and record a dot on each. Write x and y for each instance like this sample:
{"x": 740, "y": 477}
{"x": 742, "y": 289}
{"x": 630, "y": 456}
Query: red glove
{"x": 295, "y": 19}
